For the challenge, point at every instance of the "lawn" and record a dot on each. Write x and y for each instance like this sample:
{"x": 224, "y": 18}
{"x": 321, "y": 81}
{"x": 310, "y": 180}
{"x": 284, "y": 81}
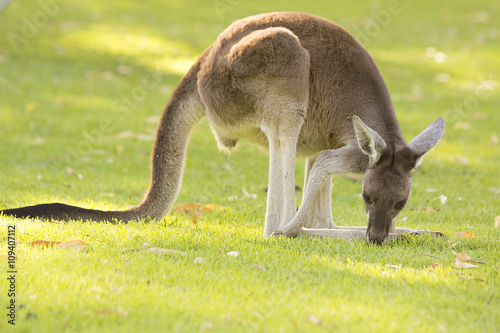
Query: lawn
{"x": 77, "y": 123}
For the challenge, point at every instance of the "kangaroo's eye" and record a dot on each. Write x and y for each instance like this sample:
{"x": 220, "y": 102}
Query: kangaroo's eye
{"x": 400, "y": 204}
{"x": 367, "y": 198}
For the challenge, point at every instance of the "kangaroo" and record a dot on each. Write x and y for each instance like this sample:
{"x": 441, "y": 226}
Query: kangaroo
{"x": 297, "y": 85}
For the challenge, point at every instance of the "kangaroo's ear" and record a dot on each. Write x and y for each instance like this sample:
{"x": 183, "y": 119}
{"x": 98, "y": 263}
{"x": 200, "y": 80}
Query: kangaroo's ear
{"x": 370, "y": 142}
{"x": 427, "y": 140}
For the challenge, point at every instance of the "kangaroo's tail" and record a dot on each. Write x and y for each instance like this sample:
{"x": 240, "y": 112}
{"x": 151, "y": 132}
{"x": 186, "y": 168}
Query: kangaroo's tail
{"x": 183, "y": 111}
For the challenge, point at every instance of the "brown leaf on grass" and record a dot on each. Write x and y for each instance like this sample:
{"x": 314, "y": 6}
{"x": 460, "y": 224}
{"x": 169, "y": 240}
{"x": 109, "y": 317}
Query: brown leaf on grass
{"x": 215, "y": 207}
{"x": 165, "y": 251}
{"x": 436, "y": 265}
{"x": 73, "y": 244}
{"x": 43, "y": 243}
{"x": 196, "y": 216}
{"x": 497, "y": 222}
{"x": 462, "y": 256}
{"x": 191, "y": 208}
{"x": 429, "y": 209}
{"x": 465, "y": 234}
{"x": 463, "y": 260}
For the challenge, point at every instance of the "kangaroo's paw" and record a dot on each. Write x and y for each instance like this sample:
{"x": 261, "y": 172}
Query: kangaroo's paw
{"x": 436, "y": 234}
{"x": 290, "y": 233}
{"x": 397, "y": 238}
{"x": 277, "y": 234}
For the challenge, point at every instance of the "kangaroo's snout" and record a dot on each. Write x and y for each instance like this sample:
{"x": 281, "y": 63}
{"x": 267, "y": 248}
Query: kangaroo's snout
{"x": 378, "y": 228}
{"x": 376, "y": 237}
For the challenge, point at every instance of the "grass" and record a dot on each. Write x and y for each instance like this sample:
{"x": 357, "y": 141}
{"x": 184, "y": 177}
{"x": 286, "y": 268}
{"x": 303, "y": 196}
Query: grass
{"x": 76, "y": 125}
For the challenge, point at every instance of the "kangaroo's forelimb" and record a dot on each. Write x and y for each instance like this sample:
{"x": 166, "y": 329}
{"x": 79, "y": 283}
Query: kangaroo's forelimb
{"x": 328, "y": 163}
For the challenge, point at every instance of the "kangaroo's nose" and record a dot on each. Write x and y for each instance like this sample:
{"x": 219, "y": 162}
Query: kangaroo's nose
{"x": 377, "y": 238}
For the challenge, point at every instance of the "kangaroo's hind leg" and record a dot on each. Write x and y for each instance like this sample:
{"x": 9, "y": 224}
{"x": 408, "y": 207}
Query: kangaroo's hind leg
{"x": 271, "y": 68}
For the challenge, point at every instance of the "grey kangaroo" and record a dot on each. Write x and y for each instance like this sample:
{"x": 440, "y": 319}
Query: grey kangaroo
{"x": 297, "y": 85}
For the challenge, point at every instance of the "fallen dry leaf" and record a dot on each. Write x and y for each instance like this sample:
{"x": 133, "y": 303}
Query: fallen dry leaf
{"x": 196, "y": 210}
{"x": 43, "y": 243}
{"x": 429, "y": 209}
{"x": 215, "y": 207}
{"x": 497, "y": 222}
{"x": 463, "y": 260}
{"x": 191, "y": 208}
{"x": 463, "y": 256}
{"x": 436, "y": 265}
{"x": 465, "y": 234}
{"x": 196, "y": 215}
{"x": 73, "y": 244}
{"x": 165, "y": 251}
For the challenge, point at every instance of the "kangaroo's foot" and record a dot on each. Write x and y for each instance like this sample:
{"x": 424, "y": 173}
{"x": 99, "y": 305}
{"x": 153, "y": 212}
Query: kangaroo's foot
{"x": 358, "y": 233}
{"x": 290, "y": 233}
{"x": 436, "y": 234}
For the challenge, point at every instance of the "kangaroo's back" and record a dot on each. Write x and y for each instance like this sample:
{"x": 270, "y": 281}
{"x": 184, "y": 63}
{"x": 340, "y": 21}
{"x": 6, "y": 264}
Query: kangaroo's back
{"x": 344, "y": 80}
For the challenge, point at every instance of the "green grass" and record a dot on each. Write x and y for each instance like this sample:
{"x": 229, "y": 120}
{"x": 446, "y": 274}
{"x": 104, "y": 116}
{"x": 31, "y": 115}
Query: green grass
{"x": 75, "y": 130}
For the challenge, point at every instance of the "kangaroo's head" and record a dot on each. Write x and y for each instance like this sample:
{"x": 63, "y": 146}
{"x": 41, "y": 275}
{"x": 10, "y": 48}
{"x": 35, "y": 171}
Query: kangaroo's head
{"x": 387, "y": 181}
